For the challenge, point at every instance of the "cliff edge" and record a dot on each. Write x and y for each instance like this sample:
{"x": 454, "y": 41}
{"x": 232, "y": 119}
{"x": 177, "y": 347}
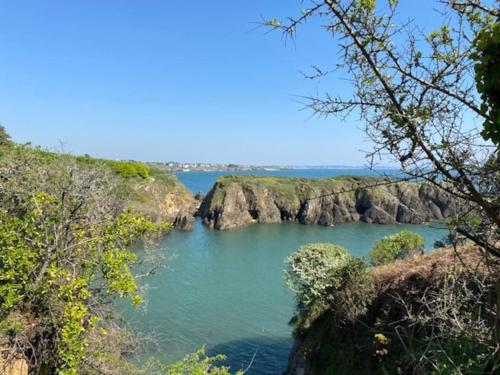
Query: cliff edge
{"x": 237, "y": 201}
{"x": 162, "y": 197}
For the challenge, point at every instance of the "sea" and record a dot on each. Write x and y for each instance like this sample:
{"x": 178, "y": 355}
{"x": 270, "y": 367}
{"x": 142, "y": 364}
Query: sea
{"x": 225, "y": 291}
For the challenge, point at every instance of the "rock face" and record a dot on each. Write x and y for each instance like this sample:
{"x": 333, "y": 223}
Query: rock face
{"x": 163, "y": 198}
{"x": 237, "y": 201}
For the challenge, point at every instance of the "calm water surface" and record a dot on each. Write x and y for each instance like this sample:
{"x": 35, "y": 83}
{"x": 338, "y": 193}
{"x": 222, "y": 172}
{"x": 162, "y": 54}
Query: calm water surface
{"x": 203, "y": 181}
{"x": 225, "y": 290}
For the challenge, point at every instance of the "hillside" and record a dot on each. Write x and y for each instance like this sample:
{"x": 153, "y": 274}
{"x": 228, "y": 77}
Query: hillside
{"x": 158, "y": 195}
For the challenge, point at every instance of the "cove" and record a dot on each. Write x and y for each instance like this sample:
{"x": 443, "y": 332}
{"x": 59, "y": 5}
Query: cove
{"x": 225, "y": 290}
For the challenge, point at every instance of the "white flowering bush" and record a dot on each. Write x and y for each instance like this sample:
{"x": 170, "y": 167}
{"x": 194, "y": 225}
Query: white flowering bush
{"x": 325, "y": 277}
{"x": 309, "y": 270}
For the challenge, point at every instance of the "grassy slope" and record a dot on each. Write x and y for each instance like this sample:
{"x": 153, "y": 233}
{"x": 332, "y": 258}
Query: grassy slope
{"x": 291, "y": 188}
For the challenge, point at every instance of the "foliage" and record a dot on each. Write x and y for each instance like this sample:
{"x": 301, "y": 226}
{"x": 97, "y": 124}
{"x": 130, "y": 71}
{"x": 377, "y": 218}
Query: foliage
{"x": 65, "y": 239}
{"x": 432, "y": 314}
{"x": 455, "y": 327}
{"x": 4, "y": 137}
{"x": 417, "y": 92}
{"x": 199, "y": 363}
{"x": 126, "y": 169}
{"x": 487, "y": 74}
{"x": 398, "y": 246}
{"x": 461, "y": 355}
{"x": 325, "y": 276}
{"x": 350, "y": 298}
{"x": 309, "y": 271}
{"x": 130, "y": 169}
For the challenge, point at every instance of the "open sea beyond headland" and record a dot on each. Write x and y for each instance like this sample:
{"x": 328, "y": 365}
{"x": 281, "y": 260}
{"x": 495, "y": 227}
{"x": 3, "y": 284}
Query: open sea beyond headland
{"x": 225, "y": 290}
{"x": 203, "y": 181}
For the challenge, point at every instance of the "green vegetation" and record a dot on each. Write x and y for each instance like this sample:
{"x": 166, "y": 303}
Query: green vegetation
{"x": 486, "y": 55}
{"x": 64, "y": 237}
{"x": 66, "y": 234}
{"x": 199, "y": 364}
{"x": 126, "y": 169}
{"x": 427, "y": 315}
{"x": 325, "y": 277}
{"x": 167, "y": 180}
{"x": 4, "y": 137}
{"x": 398, "y": 246}
{"x": 282, "y": 183}
{"x": 308, "y": 270}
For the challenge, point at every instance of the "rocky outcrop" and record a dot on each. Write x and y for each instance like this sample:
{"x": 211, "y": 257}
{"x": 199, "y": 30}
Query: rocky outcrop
{"x": 12, "y": 364}
{"x": 237, "y": 201}
{"x": 163, "y": 198}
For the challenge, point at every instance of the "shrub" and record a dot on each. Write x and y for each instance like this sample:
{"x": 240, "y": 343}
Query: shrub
{"x": 199, "y": 363}
{"x": 451, "y": 329}
{"x": 126, "y": 169}
{"x": 325, "y": 276}
{"x": 4, "y": 137}
{"x": 65, "y": 240}
{"x": 309, "y": 270}
{"x": 398, "y": 246}
{"x": 130, "y": 169}
{"x": 354, "y": 292}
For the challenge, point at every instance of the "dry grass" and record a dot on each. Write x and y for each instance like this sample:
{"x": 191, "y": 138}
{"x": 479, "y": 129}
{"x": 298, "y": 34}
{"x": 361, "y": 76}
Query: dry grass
{"x": 414, "y": 275}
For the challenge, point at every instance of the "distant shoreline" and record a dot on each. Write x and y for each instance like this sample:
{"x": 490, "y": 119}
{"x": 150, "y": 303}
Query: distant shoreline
{"x": 176, "y": 167}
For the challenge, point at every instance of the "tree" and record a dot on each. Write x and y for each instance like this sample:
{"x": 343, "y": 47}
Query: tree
{"x": 65, "y": 235}
{"x": 487, "y": 58}
{"x": 429, "y": 102}
{"x": 419, "y": 95}
{"x": 398, "y": 246}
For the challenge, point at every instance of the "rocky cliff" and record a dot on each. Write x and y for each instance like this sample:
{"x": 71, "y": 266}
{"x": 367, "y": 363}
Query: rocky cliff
{"x": 163, "y": 198}
{"x": 236, "y": 201}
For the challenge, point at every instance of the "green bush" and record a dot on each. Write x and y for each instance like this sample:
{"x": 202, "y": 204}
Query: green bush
{"x": 130, "y": 169}
{"x": 199, "y": 363}
{"x": 325, "y": 276}
{"x": 126, "y": 169}
{"x": 309, "y": 270}
{"x": 398, "y": 246}
{"x": 4, "y": 137}
{"x": 460, "y": 355}
{"x": 354, "y": 292}
{"x": 66, "y": 252}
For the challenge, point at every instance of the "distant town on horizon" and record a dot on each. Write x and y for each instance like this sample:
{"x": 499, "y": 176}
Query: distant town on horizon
{"x": 174, "y": 166}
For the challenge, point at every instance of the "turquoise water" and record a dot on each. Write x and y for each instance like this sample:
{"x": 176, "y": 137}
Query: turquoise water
{"x": 225, "y": 290}
{"x": 203, "y": 181}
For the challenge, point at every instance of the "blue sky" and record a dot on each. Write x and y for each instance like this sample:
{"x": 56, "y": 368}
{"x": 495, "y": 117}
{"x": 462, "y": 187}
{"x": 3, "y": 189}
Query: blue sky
{"x": 160, "y": 80}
